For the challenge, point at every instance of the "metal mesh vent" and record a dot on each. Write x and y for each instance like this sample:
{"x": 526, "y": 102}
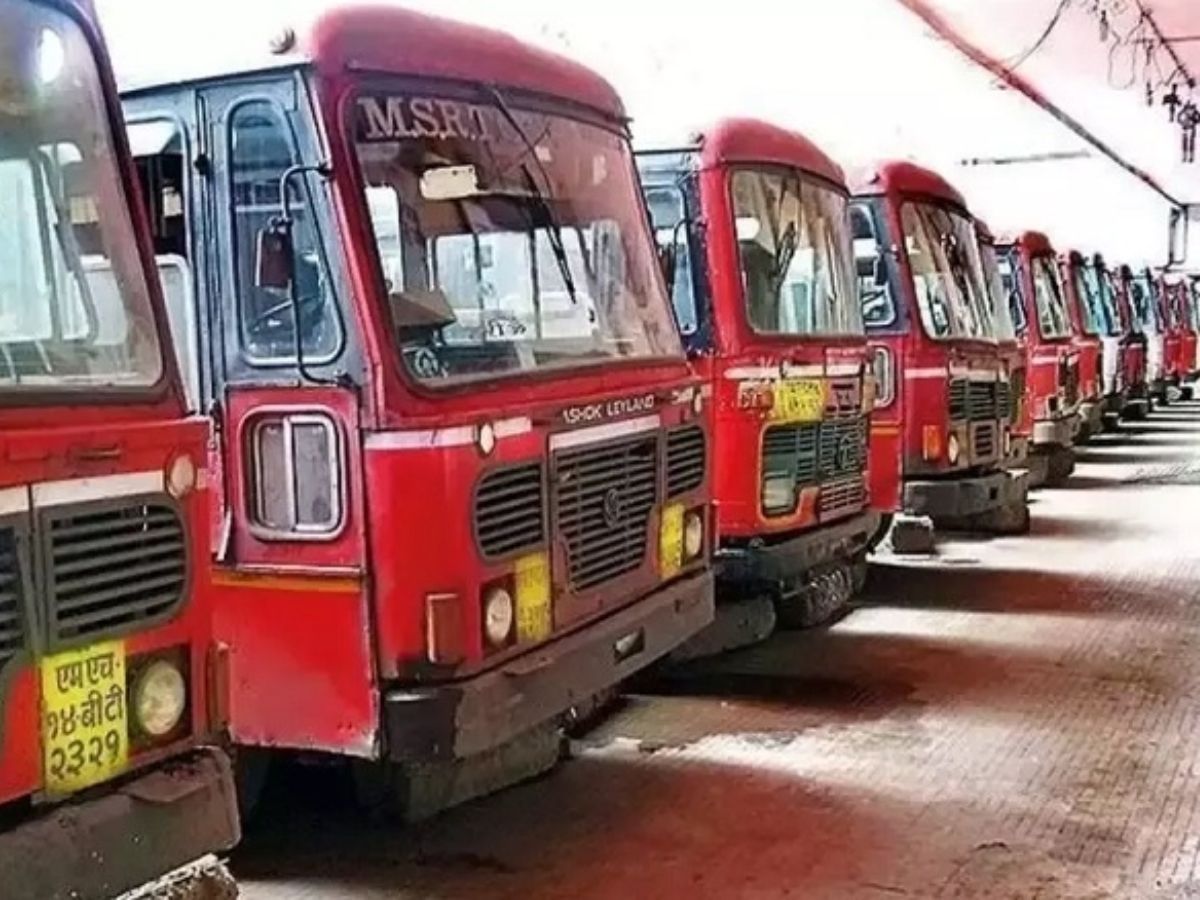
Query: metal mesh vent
{"x": 841, "y": 498}
{"x": 983, "y": 401}
{"x": 603, "y": 499}
{"x": 791, "y": 450}
{"x": 111, "y": 566}
{"x": 12, "y": 632}
{"x": 509, "y": 510}
{"x": 685, "y": 459}
{"x": 984, "y": 440}
{"x": 958, "y": 399}
{"x": 842, "y": 448}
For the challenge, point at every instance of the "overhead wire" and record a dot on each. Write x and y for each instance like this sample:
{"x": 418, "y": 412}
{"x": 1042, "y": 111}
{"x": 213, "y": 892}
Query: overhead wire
{"x": 1042, "y": 38}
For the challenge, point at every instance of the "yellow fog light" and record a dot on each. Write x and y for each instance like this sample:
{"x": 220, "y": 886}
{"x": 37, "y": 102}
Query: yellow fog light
{"x": 159, "y": 698}
{"x": 671, "y": 540}
{"x": 498, "y": 616}
{"x": 693, "y": 535}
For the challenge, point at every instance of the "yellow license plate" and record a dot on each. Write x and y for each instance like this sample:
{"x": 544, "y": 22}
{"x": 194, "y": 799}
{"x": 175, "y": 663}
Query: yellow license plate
{"x": 535, "y": 618}
{"x": 670, "y": 542}
{"x": 85, "y": 719}
{"x": 799, "y": 401}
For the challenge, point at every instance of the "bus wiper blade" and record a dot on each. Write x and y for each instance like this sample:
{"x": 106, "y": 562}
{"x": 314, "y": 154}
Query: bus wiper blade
{"x": 549, "y": 220}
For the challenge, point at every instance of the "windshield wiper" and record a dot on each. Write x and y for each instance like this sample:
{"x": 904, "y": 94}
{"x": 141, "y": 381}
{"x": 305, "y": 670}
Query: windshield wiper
{"x": 549, "y": 220}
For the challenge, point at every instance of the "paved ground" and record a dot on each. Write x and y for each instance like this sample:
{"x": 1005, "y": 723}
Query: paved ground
{"x": 1019, "y": 718}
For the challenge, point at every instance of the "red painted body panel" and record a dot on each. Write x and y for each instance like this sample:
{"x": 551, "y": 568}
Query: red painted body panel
{"x": 57, "y": 452}
{"x": 731, "y": 142}
{"x": 398, "y": 41}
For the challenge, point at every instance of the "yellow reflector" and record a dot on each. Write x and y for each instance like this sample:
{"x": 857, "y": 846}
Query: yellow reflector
{"x": 931, "y": 442}
{"x": 535, "y": 617}
{"x": 670, "y": 540}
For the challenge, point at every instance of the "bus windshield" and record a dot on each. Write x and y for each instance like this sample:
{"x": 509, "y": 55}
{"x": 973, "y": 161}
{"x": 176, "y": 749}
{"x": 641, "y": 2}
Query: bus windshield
{"x": 997, "y": 295}
{"x": 793, "y": 239}
{"x": 510, "y": 240}
{"x": 1097, "y": 312}
{"x": 1053, "y": 320}
{"x": 947, "y": 272}
{"x": 1145, "y": 303}
{"x": 75, "y": 309}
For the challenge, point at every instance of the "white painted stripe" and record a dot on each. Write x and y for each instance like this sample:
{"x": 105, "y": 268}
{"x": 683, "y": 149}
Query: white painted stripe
{"x": 458, "y": 436}
{"x": 83, "y": 490}
{"x": 597, "y": 433}
{"x": 836, "y": 369}
{"x": 740, "y": 373}
{"x": 14, "y": 500}
{"x": 982, "y": 375}
{"x": 809, "y": 371}
{"x": 936, "y": 372}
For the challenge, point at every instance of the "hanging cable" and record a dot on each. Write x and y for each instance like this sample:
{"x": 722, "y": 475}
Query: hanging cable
{"x": 1043, "y": 37}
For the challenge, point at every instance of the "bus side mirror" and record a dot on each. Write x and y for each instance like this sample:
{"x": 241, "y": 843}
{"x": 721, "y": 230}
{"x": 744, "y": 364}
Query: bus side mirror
{"x": 667, "y": 257}
{"x": 275, "y": 256}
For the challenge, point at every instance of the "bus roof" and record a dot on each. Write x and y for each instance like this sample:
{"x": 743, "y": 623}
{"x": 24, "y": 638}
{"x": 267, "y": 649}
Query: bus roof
{"x": 392, "y": 40}
{"x": 1035, "y": 243}
{"x": 902, "y": 177}
{"x": 738, "y": 140}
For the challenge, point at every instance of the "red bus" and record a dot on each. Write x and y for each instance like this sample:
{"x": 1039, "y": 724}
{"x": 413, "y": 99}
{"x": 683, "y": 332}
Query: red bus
{"x": 1092, "y": 324}
{"x": 928, "y": 318}
{"x": 1180, "y": 339}
{"x": 110, "y": 692}
{"x": 1143, "y": 347}
{"x": 469, "y": 491}
{"x": 1012, "y": 337}
{"x": 1029, "y": 269}
{"x": 754, "y": 221}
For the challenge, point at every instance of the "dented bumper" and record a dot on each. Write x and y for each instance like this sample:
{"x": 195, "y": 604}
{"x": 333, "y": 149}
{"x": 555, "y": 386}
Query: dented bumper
{"x": 135, "y": 832}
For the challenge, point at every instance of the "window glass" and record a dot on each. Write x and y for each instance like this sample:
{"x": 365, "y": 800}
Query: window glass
{"x": 669, "y": 218}
{"x": 997, "y": 293}
{"x": 874, "y": 286}
{"x": 261, "y": 150}
{"x": 1053, "y": 320}
{"x": 516, "y": 239}
{"x": 74, "y": 306}
{"x": 1145, "y": 304}
{"x": 947, "y": 273}
{"x": 794, "y": 246}
{"x": 296, "y": 480}
{"x": 1095, "y": 314}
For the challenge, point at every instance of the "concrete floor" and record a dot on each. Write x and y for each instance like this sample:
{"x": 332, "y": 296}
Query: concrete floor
{"x": 1017, "y": 718}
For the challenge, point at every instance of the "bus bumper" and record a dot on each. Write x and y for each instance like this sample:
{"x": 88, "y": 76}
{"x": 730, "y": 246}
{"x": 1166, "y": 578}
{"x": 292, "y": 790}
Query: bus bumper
{"x": 485, "y": 711}
{"x": 1091, "y": 418}
{"x": 955, "y": 498}
{"x": 1054, "y": 432}
{"x": 136, "y": 832}
{"x": 792, "y": 557}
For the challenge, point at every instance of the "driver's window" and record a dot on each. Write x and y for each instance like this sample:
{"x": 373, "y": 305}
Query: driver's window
{"x": 874, "y": 290}
{"x": 261, "y": 150}
{"x": 668, "y": 214}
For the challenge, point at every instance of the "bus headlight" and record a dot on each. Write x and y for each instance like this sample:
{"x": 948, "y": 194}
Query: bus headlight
{"x": 952, "y": 449}
{"x": 181, "y": 476}
{"x": 693, "y": 535}
{"x": 159, "y": 698}
{"x": 778, "y": 494}
{"x": 497, "y": 616}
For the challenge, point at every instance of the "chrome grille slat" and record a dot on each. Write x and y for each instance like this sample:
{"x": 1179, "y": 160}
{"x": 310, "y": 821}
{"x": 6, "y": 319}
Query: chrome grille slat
{"x": 585, "y": 478}
{"x": 12, "y": 636}
{"x": 686, "y": 459}
{"x": 509, "y": 510}
{"x": 841, "y": 498}
{"x": 982, "y": 401}
{"x": 92, "y": 586}
{"x": 983, "y": 439}
{"x": 814, "y": 454}
{"x": 957, "y": 399}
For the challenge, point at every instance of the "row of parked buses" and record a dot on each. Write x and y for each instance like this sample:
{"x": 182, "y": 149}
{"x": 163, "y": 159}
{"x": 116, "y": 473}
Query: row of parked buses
{"x": 396, "y": 423}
